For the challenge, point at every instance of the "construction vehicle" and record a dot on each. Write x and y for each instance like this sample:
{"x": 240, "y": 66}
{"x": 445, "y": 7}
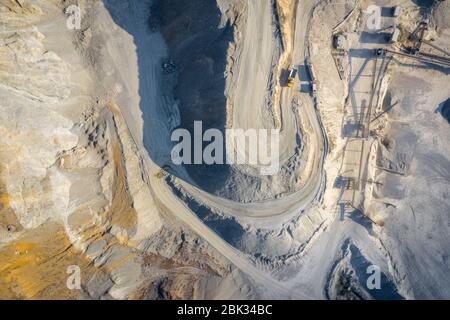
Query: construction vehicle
{"x": 414, "y": 42}
{"x": 417, "y": 38}
{"x": 380, "y": 52}
{"x": 411, "y": 47}
{"x": 291, "y": 77}
{"x": 312, "y": 74}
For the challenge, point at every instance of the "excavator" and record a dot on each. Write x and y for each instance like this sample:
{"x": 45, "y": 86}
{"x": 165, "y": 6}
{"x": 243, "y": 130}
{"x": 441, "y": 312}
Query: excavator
{"x": 411, "y": 48}
{"x": 291, "y": 77}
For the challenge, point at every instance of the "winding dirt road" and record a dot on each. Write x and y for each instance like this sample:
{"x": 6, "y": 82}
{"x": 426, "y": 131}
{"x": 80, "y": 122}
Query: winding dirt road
{"x": 272, "y": 210}
{"x": 250, "y": 104}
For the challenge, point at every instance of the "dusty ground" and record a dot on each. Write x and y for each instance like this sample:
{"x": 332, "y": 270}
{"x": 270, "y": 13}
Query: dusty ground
{"x": 86, "y": 177}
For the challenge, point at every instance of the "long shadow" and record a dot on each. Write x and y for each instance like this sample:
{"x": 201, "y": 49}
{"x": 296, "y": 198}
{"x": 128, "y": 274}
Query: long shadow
{"x": 387, "y": 11}
{"x": 155, "y": 101}
{"x": 444, "y": 110}
{"x": 357, "y": 53}
{"x": 359, "y": 274}
{"x": 194, "y": 85}
{"x": 387, "y": 289}
{"x": 425, "y": 5}
{"x": 361, "y": 53}
{"x": 370, "y": 37}
{"x": 303, "y": 73}
{"x": 424, "y": 65}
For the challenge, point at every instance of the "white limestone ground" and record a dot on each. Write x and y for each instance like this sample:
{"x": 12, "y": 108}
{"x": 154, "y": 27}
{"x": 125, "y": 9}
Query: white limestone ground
{"x": 86, "y": 122}
{"x": 69, "y": 156}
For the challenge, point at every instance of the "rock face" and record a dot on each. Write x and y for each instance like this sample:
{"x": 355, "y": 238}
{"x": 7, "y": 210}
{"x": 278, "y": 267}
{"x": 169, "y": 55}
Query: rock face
{"x": 91, "y": 206}
{"x": 71, "y": 177}
{"x": 34, "y": 83}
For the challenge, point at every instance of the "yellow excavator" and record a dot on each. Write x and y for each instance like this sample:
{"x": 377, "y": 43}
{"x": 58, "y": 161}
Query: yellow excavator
{"x": 291, "y": 77}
